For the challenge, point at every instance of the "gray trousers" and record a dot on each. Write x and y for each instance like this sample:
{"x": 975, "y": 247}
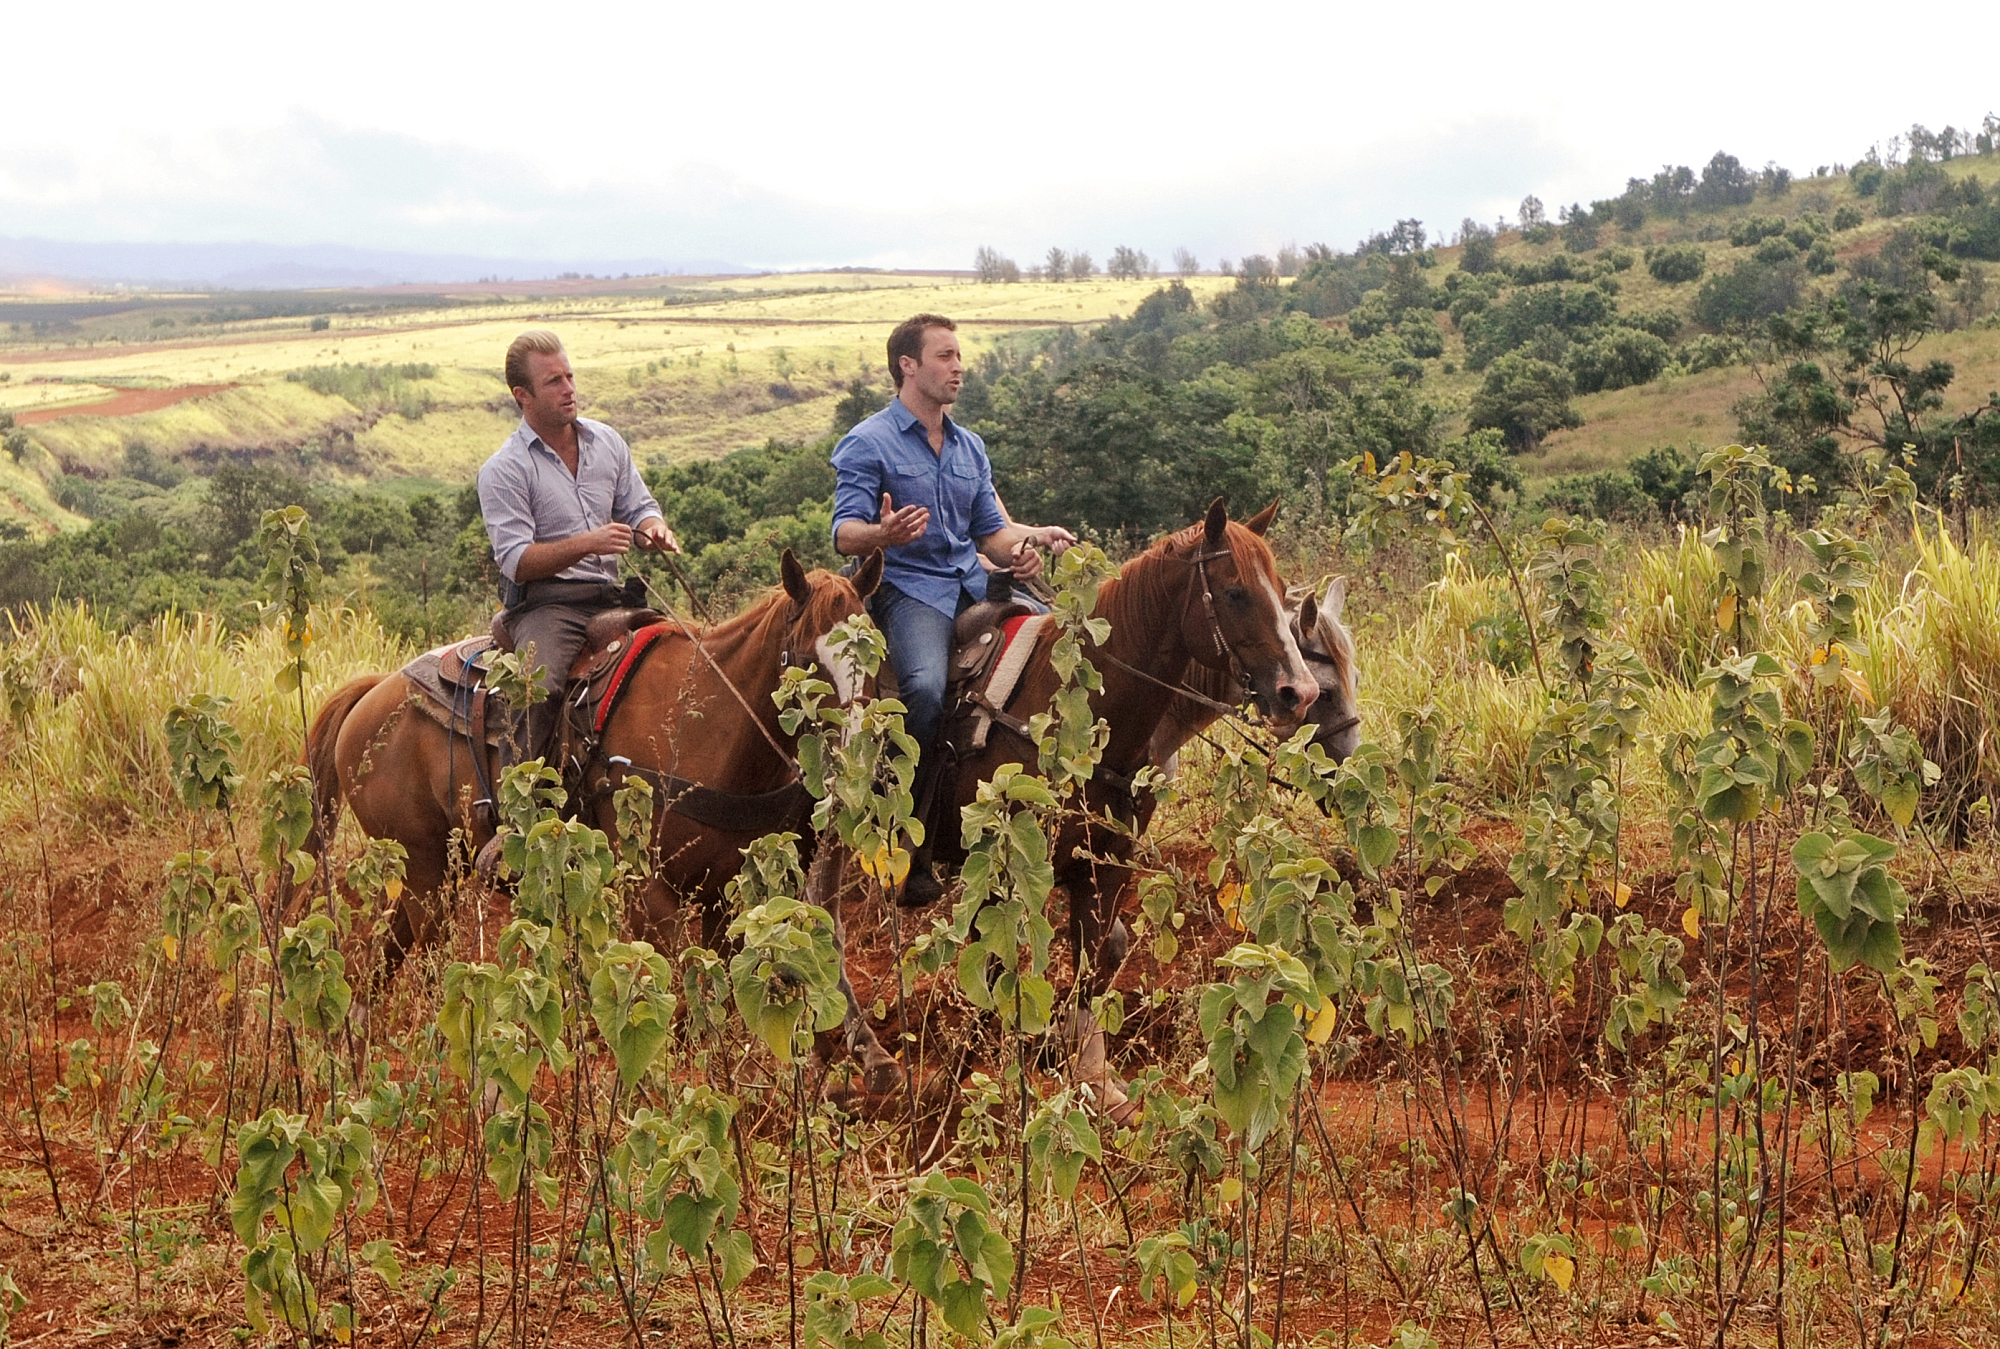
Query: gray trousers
{"x": 556, "y": 631}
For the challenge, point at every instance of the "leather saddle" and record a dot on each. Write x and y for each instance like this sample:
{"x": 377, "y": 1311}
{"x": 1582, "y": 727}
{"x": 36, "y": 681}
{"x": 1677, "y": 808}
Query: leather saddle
{"x": 452, "y": 678}
{"x": 992, "y": 643}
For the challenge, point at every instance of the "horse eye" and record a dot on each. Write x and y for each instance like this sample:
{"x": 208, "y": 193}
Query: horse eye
{"x": 1237, "y": 595}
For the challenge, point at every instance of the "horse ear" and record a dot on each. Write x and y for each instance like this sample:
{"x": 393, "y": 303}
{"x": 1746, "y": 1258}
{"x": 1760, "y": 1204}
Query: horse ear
{"x": 1335, "y": 601}
{"x": 1217, "y": 524}
{"x": 1261, "y": 521}
{"x": 794, "y": 577}
{"x": 869, "y": 576}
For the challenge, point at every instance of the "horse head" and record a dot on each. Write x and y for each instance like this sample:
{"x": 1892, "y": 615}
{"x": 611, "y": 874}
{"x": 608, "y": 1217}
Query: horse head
{"x": 821, "y": 602}
{"x": 1241, "y": 617}
{"x": 1328, "y": 649}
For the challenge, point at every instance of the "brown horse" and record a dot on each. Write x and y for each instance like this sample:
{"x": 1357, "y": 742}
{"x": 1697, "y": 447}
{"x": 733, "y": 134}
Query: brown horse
{"x": 408, "y": 779}
{"x": 1209, "y": 594}
{"x": 1328, "y": 649}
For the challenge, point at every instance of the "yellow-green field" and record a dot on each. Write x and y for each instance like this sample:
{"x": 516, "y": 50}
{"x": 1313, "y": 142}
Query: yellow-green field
{"x": 746, "y": 359}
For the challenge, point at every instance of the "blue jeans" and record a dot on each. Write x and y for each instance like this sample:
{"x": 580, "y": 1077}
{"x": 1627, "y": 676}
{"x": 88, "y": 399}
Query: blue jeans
{"x": 920, "y": 644}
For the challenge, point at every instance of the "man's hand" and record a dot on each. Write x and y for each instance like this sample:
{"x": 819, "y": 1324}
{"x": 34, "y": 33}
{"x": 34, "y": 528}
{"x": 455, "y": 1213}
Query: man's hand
{"x": 613, "y": 539}
{"x": 654, "y": 534}
{"x": 902, "y": 526}
{"x": 1026, "y": 562}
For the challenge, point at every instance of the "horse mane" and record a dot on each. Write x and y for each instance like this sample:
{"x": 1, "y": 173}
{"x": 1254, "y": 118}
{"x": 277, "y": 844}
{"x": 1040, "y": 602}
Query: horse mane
{"x": 772, "y": 605}
{"x": 1135, "y": 595}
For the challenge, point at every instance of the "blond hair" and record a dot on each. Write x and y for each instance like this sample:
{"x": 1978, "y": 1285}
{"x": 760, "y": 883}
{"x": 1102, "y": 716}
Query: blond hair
{"x": 538, "y": 340}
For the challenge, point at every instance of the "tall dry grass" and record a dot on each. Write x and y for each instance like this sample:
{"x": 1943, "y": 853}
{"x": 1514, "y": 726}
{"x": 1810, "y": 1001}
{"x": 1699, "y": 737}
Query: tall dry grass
{"x": 98, "y": 749}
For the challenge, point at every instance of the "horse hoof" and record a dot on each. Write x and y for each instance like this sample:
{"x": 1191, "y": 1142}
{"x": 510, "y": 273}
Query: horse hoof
{"x": 1116, "y": 943}
{"x": 884, "y": 1077}
{"x": 921, "y": 890}
{"x": 487, "y": 864}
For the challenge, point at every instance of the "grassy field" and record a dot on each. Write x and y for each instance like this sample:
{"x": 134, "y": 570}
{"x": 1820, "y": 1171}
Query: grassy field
{"x": 699, "y": 371}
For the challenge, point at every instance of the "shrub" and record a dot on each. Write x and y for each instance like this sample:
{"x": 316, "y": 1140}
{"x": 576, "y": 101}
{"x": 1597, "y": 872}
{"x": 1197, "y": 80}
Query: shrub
{"x": 1708, "y": 351}
{"x": 1480, "y": 250}
{"x": 1616, "y": 359}
{"x": 1621, "y": 259}
{"x": 1867, "y": 176}
{"x": 1524, "y": 399}
{"x": 1669, "y": 479}
{"x": 1611, "y": 494}
{"x": 1515, "y": 320}
{"x": 1846, "y": 218}
{"x": 1748, "y": 292}
{"x": 1664, "y": 324}
{"x": 1820, "y": 260}
{"x": 1754, "y": 229}
{"x": 1421, "y": 336}
{"x": 1776, "y": 249}
{"x": 1675, "y": 264}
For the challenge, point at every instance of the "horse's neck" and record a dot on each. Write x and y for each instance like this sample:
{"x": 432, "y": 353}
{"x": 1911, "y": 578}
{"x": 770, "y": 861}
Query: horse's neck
{"x": 1145, "y": 607}
{"x": 746, "y": 652}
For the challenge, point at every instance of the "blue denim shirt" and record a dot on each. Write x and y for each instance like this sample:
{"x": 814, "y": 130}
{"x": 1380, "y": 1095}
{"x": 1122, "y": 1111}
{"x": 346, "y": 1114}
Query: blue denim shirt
{"x": 527, "y": 496}
{"x": 890, "y": 452}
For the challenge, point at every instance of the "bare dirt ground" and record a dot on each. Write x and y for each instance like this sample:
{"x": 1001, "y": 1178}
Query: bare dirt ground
{"x": 123, "y": 404}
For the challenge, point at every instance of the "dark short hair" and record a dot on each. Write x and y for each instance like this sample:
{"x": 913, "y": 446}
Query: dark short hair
{"x": 908, "y": 340}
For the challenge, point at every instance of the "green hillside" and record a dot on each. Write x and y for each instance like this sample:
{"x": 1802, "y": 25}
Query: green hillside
{"x": 1579, "y": 358}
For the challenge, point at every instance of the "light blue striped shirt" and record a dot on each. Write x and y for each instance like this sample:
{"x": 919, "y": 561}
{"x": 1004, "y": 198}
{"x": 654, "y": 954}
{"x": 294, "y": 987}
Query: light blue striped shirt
{"x": 527, "y": 495}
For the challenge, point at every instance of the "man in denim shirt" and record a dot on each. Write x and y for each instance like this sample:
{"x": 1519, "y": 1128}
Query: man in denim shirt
{"x": 562, "y": 502}
{"x": 917, "y": 485}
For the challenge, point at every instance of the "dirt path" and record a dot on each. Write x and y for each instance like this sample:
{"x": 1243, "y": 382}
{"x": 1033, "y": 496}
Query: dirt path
{"x": 122, "y": 404}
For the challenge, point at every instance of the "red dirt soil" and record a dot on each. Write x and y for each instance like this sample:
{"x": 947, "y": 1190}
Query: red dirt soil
{"x": 124, "y": 403}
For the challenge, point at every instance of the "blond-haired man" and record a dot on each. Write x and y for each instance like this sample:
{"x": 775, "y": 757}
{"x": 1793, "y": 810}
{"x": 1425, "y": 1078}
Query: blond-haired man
{"x": 562, "y": 502}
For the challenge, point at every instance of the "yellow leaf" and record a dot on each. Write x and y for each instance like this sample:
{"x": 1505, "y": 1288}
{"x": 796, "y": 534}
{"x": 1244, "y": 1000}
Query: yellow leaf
{"x": 1560, "y": 1268}
{"x": 1622, "y": 894}
{"x": 899, "y": 865}
{"x": 1232, "y": 1190}
{"x": 393, "y": 888}
{"x": 224, "y": 996}
{"x": 1227, "y": 897}
{"x": 1322, "y": 1024}
{"x": 1725, "y": 613}
{"x": 1691, "y": 922}
{"x": 1368, "y": 462}
{"x": 1858, "y": 681}
{"x": 170, "y": 946}
{"x": 1818, "y": 656}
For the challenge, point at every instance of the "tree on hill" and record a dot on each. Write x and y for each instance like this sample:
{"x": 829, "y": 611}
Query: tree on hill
{"x": 1535, "y": 227}
{"x": 990, "y": 267}
{"x": 1186, "y": 263}
{"x": 1524, "y": 399}
{"x": 1128, "y": 264}
{"x": 1055, "y": 264}
{"x": 1675, "y": 264}
{"x": 1724, "y": 182}
{"x": 1080, "y": 266}
{"x": 1480, "y": 248}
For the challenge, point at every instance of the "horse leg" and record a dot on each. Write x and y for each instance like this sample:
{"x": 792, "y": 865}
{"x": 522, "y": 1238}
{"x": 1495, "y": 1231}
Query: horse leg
{"x": 881, "y": 1074}
{"x": 419, "y": 911}
{"x": 1100, "y": 941}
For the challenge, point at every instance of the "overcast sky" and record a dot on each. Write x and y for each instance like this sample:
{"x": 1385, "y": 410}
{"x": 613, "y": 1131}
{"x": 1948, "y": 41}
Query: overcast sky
{"x": 789, "y": 134}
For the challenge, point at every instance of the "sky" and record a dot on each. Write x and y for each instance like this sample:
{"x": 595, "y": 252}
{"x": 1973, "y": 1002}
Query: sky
{"x": 788, "y": 135}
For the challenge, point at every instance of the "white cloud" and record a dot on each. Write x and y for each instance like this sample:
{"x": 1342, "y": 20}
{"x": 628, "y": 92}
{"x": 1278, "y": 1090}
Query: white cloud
{"x": 792, "y": 133}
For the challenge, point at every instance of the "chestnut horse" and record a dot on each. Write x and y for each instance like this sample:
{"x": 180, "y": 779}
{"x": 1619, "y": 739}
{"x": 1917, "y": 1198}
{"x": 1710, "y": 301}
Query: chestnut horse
{"x": 1209, "y": 594}
{"x": 1328, "y": 649}
{"x": 406, "y": 778}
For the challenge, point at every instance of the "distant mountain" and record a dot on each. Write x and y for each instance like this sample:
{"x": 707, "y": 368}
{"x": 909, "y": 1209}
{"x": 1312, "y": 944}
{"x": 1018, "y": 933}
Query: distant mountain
{"x": 254, "y": 266}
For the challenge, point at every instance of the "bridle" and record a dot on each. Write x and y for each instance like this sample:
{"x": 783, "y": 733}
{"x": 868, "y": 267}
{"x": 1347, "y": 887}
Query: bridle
{"x": 1327, "y": 658}
{"x": 1223, "y": 650}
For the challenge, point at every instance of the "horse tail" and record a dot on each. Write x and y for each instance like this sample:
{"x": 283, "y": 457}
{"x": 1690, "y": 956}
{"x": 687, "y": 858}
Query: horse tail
{"x": 321, "y": 742}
